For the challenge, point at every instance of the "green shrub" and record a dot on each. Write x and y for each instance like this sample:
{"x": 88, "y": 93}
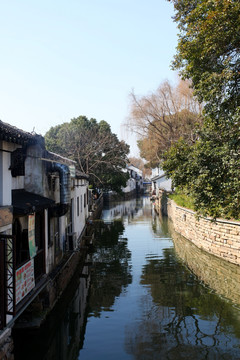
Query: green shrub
{"x": 182, "y": 200}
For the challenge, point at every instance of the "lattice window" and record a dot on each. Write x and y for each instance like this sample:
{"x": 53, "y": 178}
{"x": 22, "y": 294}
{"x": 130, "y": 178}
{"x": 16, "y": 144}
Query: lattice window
{"x": 10, "y": 274}
{"x": 8, "y": 268}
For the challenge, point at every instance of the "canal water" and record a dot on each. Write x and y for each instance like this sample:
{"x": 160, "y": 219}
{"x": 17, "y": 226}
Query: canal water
{"x": 150, "y": 294}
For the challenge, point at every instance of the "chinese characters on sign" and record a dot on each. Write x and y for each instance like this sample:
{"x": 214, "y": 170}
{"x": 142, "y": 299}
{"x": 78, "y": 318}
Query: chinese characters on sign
{"x": 25, "y": 281}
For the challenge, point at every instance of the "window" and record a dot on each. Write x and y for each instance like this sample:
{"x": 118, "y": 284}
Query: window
{"x": 17, "y": 163}
{"x": 51, "y": 182}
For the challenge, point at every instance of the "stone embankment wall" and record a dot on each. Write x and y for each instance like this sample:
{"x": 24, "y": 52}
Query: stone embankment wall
{"x": 220, "y": 238}
{"x": 6, "y": 345}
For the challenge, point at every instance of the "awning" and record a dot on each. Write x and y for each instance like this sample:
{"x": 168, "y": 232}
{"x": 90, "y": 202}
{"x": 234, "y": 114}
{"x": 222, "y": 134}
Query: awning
{"x": 25, "y": 202}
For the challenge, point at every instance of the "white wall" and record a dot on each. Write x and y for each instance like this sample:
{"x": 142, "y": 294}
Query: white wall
{"x": 131, "y": 186}
{"x": 5, "y": 174}
{"x": 157, "y": 171}
{"x": 164, "y": 183}
{"x": 80, "y": 213}
{"x": 135, "y": 170}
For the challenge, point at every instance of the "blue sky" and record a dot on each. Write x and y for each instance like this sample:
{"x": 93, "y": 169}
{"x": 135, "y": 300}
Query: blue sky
{"x": 61, "y": 59}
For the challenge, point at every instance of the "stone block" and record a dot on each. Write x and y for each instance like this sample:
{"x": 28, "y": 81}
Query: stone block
{"x": 6, "y": 216}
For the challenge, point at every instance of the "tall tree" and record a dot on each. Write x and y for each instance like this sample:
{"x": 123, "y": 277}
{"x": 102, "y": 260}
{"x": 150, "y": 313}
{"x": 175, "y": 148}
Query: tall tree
{"x": 208, "y": 170}
{"x": 97, "y": 151}
{"x": 162, "y": 117}
{"x": 209, "y": 53}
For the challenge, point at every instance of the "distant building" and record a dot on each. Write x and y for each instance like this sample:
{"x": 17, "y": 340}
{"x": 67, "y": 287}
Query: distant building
{"x": 160, "y": 181}
{"x": 135, "y": 182}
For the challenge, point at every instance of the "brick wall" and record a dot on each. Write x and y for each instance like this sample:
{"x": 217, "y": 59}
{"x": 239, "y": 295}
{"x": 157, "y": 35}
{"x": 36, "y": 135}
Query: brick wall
{"x": 220, "y": 238}
{"x": 6, "y": 216}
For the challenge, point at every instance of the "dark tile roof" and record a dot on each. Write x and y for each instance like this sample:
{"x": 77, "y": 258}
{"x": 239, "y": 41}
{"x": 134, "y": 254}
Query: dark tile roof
{"x": 24, "y": 202}
{"x": 12, "y": 134}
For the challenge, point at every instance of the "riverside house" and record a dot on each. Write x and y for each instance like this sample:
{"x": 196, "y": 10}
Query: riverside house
{"x": 43, "y": 214}
{"x": 135, "y": 181}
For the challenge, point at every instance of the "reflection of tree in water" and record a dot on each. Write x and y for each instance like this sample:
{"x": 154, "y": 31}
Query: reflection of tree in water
{"x": 111, "y": 267}
{"x": 182, "y": 319}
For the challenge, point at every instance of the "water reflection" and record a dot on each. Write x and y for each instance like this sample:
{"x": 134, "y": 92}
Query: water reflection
{"x": 220, "y": 275}
{"x": 60, "y": 337}
{"x": 147, "y": 298}
{"x": 182, "y": 318}
{"x": 130, "y": 209}
{"x": 111, "y": 266}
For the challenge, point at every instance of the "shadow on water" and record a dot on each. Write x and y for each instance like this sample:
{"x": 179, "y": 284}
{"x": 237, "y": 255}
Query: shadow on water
{"x": 60, "y": 336}
{"x": 112, "y": 273}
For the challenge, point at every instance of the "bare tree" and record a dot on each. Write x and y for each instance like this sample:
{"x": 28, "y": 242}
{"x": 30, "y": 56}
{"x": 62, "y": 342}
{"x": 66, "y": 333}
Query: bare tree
{"x": 162, "y": 117}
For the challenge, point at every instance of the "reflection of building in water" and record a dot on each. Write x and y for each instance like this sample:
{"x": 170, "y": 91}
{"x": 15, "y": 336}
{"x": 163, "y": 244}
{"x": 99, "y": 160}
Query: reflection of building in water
{"x": 131, "y": 209}
{"x": 220, "y": 275}
{"x": 61, "y": 334}
{"x": 72, "y": 326}
{"x": 117, "y": 210}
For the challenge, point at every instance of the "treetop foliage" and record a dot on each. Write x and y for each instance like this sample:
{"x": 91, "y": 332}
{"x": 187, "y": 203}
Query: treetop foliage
{"x": 94, "y": 147}
{"x": 208, "y": 51}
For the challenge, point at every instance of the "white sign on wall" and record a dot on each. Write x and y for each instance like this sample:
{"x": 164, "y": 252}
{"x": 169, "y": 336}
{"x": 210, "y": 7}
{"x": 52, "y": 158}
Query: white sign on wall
{"x": 25, "y": 281}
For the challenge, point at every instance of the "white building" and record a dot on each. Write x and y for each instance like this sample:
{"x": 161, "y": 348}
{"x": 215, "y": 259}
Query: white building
{"x": 135, "y": 181}
{"x": 160, "y": 181}
{"x": 79, "y": 208}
